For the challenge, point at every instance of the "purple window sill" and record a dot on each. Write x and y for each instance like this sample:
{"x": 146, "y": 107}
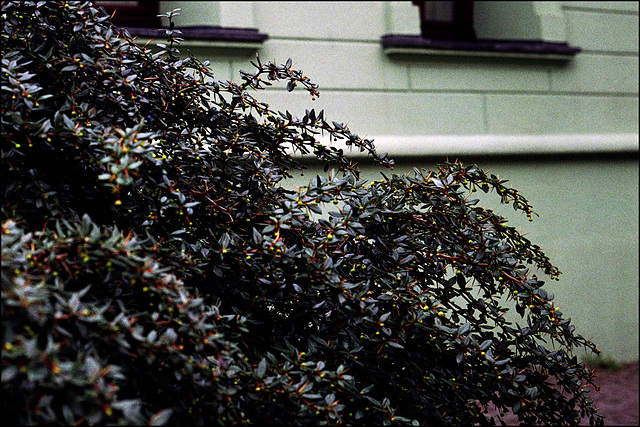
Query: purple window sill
{"x": 528, "y": 47}
{"x": 205, "y": 32}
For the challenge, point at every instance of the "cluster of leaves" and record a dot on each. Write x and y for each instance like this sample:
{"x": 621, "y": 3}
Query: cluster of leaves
{"x": 155, "y": 268}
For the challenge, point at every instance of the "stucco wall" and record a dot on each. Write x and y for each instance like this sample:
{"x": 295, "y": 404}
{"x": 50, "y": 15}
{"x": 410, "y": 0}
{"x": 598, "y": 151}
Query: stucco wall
{"x": 578, "y": 118}
{"x": 338, "y": 45}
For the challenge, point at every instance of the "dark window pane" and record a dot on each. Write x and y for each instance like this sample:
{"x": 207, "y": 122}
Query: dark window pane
{"x": 438, "y": 11}
{"x": 132, "y": 13}
{"x": 446, "y": 20}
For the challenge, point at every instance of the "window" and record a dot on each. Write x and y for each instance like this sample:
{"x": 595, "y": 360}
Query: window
{"x": 132, "y": 13}
{"x": 452, "y": 20}
{"x": 448, "y": 28}
{"x": 141, "y": 19}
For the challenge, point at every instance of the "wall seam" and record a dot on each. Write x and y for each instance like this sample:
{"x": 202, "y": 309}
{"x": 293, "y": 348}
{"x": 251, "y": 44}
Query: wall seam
{"x": 597, "y": 10}
{"x": 485, "y": 113}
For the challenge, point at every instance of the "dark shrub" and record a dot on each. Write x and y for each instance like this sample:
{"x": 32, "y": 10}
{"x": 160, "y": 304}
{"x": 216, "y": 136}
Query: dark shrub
{"x": 155, "y": 268}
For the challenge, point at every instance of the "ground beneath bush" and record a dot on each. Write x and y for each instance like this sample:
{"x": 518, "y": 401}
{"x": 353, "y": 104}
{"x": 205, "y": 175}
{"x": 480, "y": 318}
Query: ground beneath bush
{"x": 617, "y": 399}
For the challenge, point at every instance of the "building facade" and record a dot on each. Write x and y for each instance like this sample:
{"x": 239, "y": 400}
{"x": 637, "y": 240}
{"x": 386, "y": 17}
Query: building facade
{"x": 545, "y": 94}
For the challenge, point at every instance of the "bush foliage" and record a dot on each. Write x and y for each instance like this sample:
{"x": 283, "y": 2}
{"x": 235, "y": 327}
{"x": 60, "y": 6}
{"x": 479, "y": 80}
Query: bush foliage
{"x": 156, "y": 268}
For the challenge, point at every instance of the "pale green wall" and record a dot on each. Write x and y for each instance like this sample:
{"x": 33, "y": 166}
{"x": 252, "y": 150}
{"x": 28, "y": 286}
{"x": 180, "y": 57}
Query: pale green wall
{"x": 338, "y": 45}
{"x": 588, "y": 225}
{"x": 431, "y": 106}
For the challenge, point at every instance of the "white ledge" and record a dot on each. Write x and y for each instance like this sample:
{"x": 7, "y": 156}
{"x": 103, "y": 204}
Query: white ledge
{"x": 429, "y": 145}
